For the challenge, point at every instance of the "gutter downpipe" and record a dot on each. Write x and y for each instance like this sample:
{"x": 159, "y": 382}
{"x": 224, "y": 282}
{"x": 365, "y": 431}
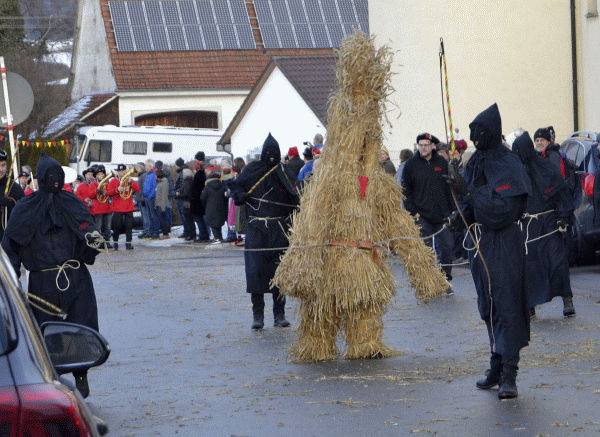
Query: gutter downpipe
{"x": 574, "y": 67}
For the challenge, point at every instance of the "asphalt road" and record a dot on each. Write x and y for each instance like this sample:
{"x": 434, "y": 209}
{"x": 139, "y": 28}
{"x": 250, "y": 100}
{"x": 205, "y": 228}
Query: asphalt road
{"x": 184, "y": 361}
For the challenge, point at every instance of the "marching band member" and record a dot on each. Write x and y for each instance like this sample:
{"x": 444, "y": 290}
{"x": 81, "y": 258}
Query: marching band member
{"x": 121, "y": 190}
{"x": 84, "y": 192}
{"x": 101, "y": 207}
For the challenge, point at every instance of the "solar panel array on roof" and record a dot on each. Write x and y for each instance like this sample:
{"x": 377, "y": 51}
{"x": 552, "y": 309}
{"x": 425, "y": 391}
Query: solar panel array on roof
{"x": 309, "y": 23}
{"x": 181, "y": 25}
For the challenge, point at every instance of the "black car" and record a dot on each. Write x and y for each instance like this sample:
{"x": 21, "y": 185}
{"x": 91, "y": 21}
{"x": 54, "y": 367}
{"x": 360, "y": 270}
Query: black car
{"x": 582, "y": 149}
{"x": 34, "y": 399}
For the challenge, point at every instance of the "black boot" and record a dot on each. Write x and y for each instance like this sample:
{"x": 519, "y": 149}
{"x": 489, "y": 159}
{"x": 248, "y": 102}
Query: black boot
{"x": 508, "y": 380}
{"x": 279, "y": 311}
{"x": 128, "y": 246}
{"x": 492, "y": 375}
{"x": 569, "y": 309}
{"x": 258, "y": 310}
{"x": 508, "y": 387}
{"x": 116, "y": 246}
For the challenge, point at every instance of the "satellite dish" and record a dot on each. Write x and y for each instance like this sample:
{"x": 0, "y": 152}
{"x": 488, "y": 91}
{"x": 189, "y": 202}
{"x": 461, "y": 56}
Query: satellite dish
{"x": 20, "y": 99}
{"x": 70, "y": 174}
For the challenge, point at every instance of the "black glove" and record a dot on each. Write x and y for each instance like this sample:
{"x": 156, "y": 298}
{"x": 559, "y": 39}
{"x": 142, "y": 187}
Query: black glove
{"x": 458, "y": 184}
{"x": 561, "y": 224}
{"x": 240, "y": 198}
{"x": 5, "y": 201}
{"x": 455, "y": 223}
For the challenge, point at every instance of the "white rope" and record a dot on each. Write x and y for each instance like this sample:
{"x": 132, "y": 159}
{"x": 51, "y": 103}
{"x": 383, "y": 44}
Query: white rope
{"x": 69, "y": 264}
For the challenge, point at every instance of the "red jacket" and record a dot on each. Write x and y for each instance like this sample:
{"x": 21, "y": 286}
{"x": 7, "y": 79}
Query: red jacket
{"x": 118, "y": 203}
{"x": 84, "y": 193}
{"x": 98, "y": 208}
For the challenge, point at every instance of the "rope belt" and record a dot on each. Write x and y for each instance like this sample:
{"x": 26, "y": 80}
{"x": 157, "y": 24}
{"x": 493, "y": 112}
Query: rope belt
{"x": 69, "y": 264}
{"x": 530, "y": 217}
{"x": 360, "y": 244}
{"x": 265, "y": 220}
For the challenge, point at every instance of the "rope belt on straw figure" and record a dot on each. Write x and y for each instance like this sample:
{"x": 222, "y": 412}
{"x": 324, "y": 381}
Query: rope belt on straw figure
{"x": 344, "y": 285}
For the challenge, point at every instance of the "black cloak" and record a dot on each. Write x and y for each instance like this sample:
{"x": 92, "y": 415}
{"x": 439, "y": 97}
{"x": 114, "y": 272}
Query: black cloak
{"x": 268, "y": 210}
{"x": 546, "y": 260}
{"x": 45, "y": 231}
{"x": 499, "y": 188}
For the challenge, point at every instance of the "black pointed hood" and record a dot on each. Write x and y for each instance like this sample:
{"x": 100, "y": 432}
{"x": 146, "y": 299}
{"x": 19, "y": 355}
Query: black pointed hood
{"x": 270, "y": 155}
{"x": 523, "y": 146}
{"x": 491, "y": 121}
{"x": 50, "y": 175}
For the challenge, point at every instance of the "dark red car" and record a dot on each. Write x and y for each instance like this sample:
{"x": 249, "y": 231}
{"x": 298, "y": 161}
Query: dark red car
{"x": 34, "y": 399}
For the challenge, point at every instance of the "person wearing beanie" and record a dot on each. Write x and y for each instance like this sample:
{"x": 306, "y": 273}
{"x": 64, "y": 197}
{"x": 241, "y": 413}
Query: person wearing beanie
{"x": 545, "y": 147}
{"x": 308, "y": 163}
{"x": 270, "y": 205}
{"x": 15, "y": 192}
{"x": 549, "y": 209}
{"x": 493, "y": 192}
{"x": 429, "y": 200}
{"x": 200, "y": 156}
{"x": 386, "y": 163}
{"x": 52, "y": 234}
{"x": 295, "y": 164}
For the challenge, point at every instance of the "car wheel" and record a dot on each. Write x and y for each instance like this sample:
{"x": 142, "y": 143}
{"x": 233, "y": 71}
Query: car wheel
{"x": 585, "y": 252}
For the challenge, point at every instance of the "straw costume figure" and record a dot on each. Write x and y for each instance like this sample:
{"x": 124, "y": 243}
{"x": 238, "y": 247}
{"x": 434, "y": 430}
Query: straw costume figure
{"x": 348, "y": 208}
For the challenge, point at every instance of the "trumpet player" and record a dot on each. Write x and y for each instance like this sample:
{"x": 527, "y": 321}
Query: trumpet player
{"x": 121, "y": 190}
{"x": 101, "y": 208}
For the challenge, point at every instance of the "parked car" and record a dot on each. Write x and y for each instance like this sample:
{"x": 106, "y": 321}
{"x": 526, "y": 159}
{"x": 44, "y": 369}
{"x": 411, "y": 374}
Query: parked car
{"x": 582, "y": 149}
{"x": 34, "y": 399}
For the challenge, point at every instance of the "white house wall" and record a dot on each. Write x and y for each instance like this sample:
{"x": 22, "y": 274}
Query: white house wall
{"x": 590, "y": 66}
{"x": 280, "y": 110}
{"x": 224, "y": 103}
{"x": 515, "y": 53}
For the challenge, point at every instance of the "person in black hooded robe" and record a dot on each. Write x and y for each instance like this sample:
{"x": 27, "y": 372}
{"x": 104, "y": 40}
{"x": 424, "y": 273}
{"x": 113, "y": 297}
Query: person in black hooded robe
{"x": 8, "y": 198}
{"x": 268, "y": 211}
{"x": 549, "y": 208}
{"x": 51, "y": 233}
{"x": 494, "y": 193}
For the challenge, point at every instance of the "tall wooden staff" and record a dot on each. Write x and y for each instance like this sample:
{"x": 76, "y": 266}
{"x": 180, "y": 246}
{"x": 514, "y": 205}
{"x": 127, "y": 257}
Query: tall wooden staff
{"x": 9, "y": 119}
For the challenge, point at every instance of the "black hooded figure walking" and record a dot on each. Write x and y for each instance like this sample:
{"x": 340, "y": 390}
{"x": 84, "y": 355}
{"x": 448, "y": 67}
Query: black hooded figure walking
{"x": 269, "y": 206}
{"x": 494, "y": 194}
{"x": 549, "y": 209}
{"x": 51, "y": 233}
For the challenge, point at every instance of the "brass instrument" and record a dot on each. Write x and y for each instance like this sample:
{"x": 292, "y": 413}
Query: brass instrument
{"x": 103, "y": 198}
{"x": 127, "y": 193}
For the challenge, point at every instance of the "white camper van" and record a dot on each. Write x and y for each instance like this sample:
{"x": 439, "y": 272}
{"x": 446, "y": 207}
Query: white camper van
{"x": 111, "y": 145}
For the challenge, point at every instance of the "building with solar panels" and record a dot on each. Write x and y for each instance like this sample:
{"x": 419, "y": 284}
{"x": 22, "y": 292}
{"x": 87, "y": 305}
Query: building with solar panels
{"x": 192, "y": 63}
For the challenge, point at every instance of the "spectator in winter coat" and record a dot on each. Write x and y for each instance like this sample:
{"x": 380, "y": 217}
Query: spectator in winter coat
{"x": 140, "y": 169}
{"x": 185, "y": 192}
{"x": 405, "y": 155}
{"x": 215, "y": 203}
{"x": 196, "y": 204}
{"x": 162, "y": 202}
{"x": 428, "y": 198}
{"x": 149, "y": 191}
{"x": 179, "y": 166}
{"x": 295, "y": 164}
{"x": 386, "y": 163}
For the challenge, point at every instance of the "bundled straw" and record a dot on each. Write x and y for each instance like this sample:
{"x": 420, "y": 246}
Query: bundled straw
{"x": 336, "y": 270}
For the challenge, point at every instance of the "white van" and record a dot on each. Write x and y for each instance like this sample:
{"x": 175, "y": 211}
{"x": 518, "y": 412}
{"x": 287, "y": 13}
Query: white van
{"x": 112, "y": 145}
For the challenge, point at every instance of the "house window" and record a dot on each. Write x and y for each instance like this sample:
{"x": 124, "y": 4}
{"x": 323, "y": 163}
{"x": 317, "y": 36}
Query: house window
{"x": 162, "y": 147}
{"x": 99, "y": 151}
{"x": 134, "y": 147}
{"x": 592, "y": 9}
